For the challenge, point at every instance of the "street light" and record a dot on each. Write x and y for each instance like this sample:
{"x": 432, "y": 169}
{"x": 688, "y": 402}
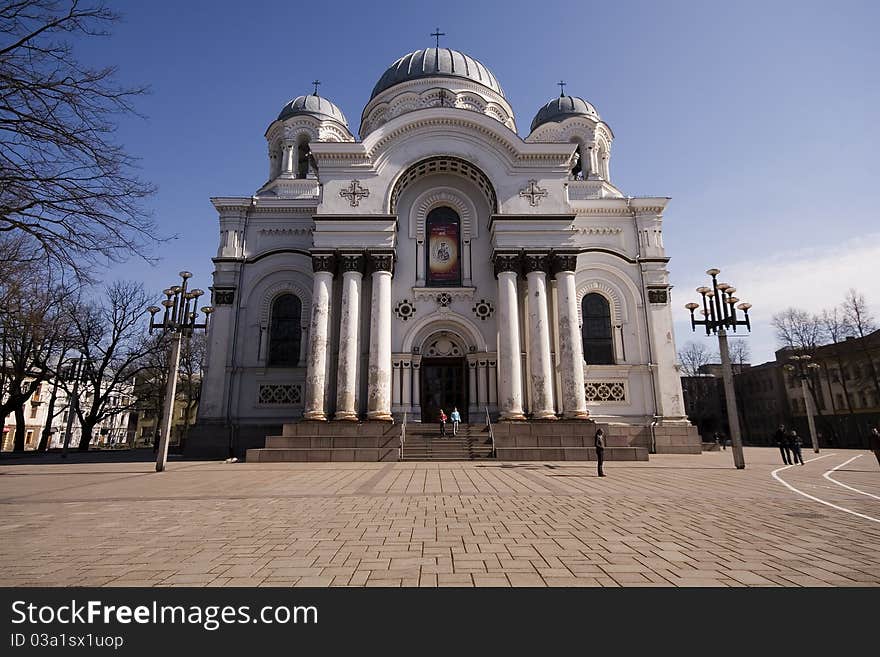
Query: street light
{"x": 803, "y": 367}
{"x": 178, "y": 321}
{"x": 719, "y": 312}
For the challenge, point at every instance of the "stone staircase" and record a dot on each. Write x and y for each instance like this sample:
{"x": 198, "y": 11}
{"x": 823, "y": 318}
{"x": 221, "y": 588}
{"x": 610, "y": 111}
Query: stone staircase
{"x": 561, "y": 440}
{"x": 330, "y": 441}
{"x": 423, "y": 442}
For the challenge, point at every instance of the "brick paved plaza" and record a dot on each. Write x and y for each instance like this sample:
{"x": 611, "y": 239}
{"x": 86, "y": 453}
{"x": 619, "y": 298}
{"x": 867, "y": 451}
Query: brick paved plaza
{"x": 673, "y": 521}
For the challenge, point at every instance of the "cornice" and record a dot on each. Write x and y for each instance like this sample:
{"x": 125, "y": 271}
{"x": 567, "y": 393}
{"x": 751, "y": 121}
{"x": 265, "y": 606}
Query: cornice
{"x": 516, "y": 149}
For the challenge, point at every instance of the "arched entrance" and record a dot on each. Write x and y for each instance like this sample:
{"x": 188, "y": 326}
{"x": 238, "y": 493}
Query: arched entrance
{"x": 444, "y": 377}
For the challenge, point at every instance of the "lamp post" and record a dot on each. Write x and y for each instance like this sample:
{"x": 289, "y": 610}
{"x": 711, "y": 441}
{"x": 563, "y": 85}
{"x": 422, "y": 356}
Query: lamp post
{"x": 719, "y": 312}
{"x": 803, "y": 367}
{"x": 178, "y": 321}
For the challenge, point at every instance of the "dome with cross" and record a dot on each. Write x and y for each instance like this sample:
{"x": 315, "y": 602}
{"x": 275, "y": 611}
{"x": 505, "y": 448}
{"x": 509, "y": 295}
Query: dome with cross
{"x": 563, "y": 107}
{"x": 312, "y": 105}
{"x": 436, "y": 62}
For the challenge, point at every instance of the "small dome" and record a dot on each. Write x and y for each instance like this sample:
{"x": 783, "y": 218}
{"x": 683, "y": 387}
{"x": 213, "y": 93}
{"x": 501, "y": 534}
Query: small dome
{"x": 562, "y": 108}
{"x": 433, "y": 62}
{"x": 313, "y": 105}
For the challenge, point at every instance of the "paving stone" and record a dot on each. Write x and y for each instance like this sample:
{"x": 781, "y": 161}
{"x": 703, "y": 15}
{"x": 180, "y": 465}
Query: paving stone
{"x": 676, "y": 520}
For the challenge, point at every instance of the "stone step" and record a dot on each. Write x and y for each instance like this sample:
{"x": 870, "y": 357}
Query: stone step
{"x": 570, "y": 453}
{"x": 332, "y": 442}
{"x": 310, "y": 455}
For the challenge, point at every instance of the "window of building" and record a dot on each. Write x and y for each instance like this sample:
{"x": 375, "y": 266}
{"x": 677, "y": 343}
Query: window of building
{"x": 34, "y": 409}
{"x": 596, "y": 331}
{"x": 443, "y": 235}
{"x": 285, "y": 331}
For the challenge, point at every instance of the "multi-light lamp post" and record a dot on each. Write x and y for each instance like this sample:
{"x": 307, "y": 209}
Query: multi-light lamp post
{"x": 179, "y": 321}
{"x": 719, "y": 314}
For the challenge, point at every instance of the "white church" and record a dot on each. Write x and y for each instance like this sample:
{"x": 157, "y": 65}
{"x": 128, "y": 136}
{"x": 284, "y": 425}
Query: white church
{"x": 435, "y": 260}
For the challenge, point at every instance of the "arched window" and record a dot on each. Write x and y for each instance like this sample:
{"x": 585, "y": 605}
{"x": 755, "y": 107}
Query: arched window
{"x": 285, "y": 331}
{"x": 304, "y": 163}
{"x": 598, "y": 341}
{"x": 443, "y": 234}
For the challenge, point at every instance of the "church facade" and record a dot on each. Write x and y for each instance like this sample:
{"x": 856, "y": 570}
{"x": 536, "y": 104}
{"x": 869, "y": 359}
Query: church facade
{"x": 436, "y": 261}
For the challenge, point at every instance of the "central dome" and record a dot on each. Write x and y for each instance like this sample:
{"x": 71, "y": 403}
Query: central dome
{"x": 433, "y": 62}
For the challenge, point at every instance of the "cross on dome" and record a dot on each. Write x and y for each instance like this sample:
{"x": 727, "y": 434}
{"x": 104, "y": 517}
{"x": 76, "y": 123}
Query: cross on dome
{"x": 437, "y": 34}
{"x": 316, "y": 83}
{"x": 561, "y": 84}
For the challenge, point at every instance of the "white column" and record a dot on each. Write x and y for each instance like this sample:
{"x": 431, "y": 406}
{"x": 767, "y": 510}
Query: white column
{"x": 287, "y": 155}
{"x": 417, "y": 386}
{"x": 349, "y": 320}
{"x": 493, "y": 384}
{"x": 407, "y": 384}
{"x": 571, "y": 350}
{"x": 319, "y": 343}
{"x": 482, "y": 384}
{"x": 510, "y": 398}
{"x": 540, "y": 364}
{"x": 420, "y": 263}
{"x": 395, "y": 383}
{"x": 379, "y": 374}
{"x": 472, "y": 385}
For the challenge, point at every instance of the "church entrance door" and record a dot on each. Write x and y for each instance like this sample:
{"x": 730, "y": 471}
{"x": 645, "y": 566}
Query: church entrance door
{"x": 444, "y": 385}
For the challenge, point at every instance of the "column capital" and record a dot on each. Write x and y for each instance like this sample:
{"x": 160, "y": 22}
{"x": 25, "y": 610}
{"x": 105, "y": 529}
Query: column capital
{"x": 352, "y": 262}
{"x": 507, "y": 262}
{"x": 533, "y": 262}
{"x": 380, "y": 262}
{"x": 563, "y": 262}
{"x": 323, "y": 262}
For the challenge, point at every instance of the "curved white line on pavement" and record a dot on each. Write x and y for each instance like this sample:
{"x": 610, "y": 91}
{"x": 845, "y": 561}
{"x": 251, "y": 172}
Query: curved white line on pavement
{"x": 813, "y": 497}
{"x": 827, "y": 476}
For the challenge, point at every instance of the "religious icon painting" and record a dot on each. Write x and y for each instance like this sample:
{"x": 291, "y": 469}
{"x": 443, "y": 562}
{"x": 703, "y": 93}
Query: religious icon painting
{"x": 444, "y": 262}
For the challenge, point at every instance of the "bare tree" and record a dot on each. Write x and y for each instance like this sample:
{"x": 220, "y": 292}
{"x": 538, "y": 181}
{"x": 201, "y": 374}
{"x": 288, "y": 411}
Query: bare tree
{"x": 693, "y": 356}
{"x": 191, "y": 372}
{"x": 857, "y": 315}
{"x": 861, "y": 323}
{"x": 740, "y": 353}
{"x": 111, "y": 336}
{"x": 33, "y": 335}
{"x": 65, "y": 185}
{"x": 798, "y": 329}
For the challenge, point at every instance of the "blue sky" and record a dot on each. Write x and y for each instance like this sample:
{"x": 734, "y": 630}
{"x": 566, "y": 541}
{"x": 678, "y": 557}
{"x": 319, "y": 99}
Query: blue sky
{"x": 759, "y": 119}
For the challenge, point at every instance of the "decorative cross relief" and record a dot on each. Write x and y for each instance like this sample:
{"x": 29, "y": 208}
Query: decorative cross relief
{"x": 354, "y": 193}
{"x": 533, "y": 193}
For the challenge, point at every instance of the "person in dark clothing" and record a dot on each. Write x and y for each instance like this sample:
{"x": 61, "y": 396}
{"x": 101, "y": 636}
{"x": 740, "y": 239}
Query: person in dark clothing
{"x": 875, "y": 443}
{"x": 782, "y": 442}
{"x": 796, "y": 444}
{"x": 600, "y": 449}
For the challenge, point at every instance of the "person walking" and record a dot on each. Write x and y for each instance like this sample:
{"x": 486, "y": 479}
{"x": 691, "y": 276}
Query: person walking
{"x": 442, "y": 423}
{"x": 796, "y": 444}
{"x": 875, "y": 443}
{"x": 456, "y": 420}
{"x": 717, "y": 437}
{"x": 600, "y": 449}
{"x": 782, "y": 442}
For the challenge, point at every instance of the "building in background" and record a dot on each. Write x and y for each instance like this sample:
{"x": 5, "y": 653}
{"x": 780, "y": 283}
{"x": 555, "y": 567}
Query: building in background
{"x": 117, "y": 430}
{"x": 844, "y": 395}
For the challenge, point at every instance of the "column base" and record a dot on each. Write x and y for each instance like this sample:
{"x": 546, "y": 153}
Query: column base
{"x": 576, "y": 415}
{"x": 316, "y": 416}
{"x": 379, "y": 416}
{"x": 506, "y": 415}
{"x": 346, "y": 416}
{"x": 544, "y": 415}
